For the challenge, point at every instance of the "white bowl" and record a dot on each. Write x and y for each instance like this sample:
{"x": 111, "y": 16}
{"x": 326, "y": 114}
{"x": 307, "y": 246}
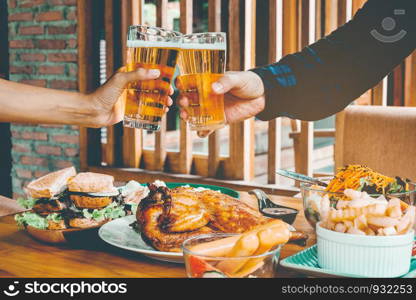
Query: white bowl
{"x": 364, "y": 256}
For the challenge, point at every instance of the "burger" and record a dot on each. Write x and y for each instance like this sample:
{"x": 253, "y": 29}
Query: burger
{"x": 64, "y": 199}
{"x": 46, "y": 198}
{"x": 95, "y": 200}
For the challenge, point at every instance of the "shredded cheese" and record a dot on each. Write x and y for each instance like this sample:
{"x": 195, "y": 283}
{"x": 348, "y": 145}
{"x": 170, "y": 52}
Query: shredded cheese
{"x": 350, "y": 178}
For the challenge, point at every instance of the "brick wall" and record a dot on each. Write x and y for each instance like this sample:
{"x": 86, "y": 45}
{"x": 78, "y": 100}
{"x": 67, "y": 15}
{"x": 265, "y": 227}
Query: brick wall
{"x": 43, "y": 52}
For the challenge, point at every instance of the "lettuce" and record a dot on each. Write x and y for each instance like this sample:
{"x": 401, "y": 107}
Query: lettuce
{"x": 364, "y": 182}
{"x": 26, "y": 203}
{"x": 367, "y": 186}
{"x": 112, "y": 211}
{"x": 395, "y": 187}
{"x": 35, "y": 220}
{"x": 31, "y": 219}
{"x": 54, "y": 217}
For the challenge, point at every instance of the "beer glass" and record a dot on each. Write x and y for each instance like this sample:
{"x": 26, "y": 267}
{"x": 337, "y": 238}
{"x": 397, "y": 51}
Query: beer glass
{"x": 202, "y": 62}
{"x": 150, "y": 48}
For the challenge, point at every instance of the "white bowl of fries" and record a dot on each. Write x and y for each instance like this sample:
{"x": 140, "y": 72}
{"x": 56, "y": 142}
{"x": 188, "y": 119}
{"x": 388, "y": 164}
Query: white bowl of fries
{"x": 366, "y": 237}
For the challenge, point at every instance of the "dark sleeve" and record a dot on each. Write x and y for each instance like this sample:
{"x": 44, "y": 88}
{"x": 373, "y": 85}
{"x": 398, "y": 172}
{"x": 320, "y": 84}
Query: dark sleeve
{"x": 325, "y": 77}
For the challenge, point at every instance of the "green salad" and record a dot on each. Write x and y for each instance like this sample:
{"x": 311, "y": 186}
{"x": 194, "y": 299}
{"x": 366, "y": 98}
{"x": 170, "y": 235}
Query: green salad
{"x": 35, "y": 220}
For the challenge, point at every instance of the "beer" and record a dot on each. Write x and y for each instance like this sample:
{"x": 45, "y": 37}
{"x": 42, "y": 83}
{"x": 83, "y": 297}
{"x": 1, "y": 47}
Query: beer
{"x": 145, "y": 101}
{"x": 202, "y": 62}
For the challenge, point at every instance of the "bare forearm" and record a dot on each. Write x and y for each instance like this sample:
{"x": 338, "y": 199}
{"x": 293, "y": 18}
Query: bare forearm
{"x": 22, "y": 103}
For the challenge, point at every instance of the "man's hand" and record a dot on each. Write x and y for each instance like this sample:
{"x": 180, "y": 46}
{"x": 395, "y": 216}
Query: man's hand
{"x": 105, "y": 101}
{"x": 243, "y": 97}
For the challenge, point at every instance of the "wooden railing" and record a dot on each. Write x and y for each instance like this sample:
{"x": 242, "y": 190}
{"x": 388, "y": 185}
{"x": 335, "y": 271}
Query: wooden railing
{"x": 293, "y": 24}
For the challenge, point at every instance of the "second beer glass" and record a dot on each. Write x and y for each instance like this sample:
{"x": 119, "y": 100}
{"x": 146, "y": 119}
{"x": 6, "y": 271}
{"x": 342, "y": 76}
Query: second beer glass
{"x": 149, "y": 48}
{"x": 202, "y": 62}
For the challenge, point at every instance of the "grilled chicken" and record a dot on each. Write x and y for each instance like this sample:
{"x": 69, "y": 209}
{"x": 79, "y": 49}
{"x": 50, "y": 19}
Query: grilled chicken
{"x": 167, "y": 217}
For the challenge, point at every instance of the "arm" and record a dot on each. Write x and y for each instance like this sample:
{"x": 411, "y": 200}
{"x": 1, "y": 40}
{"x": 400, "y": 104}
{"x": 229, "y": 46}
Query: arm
{"x": 29, "y": 104}
{"x": 325, "y": 77}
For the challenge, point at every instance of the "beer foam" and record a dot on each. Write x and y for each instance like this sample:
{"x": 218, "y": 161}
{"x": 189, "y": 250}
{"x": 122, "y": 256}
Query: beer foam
{"x": 177, "y": 45}
{"x": 152, "y": 44}
{"x": 197, "y": 46}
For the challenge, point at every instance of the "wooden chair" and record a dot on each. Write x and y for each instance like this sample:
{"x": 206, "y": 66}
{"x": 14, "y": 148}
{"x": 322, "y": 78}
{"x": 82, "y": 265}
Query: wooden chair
{"x": 303, "y": 135}
{"x": 383, "y": 138}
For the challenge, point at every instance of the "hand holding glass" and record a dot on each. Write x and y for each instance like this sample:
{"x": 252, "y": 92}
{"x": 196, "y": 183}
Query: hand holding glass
{"x": 149, "y": 48}
{"x": 202, "y": 62}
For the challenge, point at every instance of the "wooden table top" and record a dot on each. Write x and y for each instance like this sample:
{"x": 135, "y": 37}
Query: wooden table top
{"x": 22, "y": 256}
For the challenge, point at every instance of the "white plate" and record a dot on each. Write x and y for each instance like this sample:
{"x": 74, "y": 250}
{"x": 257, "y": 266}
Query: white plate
{"x": 120, "y": 234}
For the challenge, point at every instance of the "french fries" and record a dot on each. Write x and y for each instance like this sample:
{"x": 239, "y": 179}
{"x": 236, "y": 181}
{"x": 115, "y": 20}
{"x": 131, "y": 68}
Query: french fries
{"x": 222, "y": 247}
{"x": 245, "y": 246}
{"x": 257, "y": 241}
{"x": 364, "y": 215}
{"x": 269, "y": 238}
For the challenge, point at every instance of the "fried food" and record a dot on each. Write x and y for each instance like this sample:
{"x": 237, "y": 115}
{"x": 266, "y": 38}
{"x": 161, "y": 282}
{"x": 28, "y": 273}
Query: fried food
{"x": 90, "y": 202}
{"x": 365, "y": 215}
{"x": 167, "y": 217}
{"x": 242, "y": 254}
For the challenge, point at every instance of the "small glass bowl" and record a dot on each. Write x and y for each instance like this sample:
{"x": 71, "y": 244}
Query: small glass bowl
{"x": 204, "y": 266}
{"x": 312, "y": 196}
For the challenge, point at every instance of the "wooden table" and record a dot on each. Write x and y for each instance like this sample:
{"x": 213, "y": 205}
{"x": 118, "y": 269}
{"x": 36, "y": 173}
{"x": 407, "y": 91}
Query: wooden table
{"x": 22, "y": 256}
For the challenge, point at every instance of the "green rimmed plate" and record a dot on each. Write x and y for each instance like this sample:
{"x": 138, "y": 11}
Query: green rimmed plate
{"x": 306, "y": 262}
{"x": 224, "y": 190}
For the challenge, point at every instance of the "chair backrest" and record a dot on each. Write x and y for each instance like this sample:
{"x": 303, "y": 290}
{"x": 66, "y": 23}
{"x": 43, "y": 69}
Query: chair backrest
{"x": 383, "y": 138}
